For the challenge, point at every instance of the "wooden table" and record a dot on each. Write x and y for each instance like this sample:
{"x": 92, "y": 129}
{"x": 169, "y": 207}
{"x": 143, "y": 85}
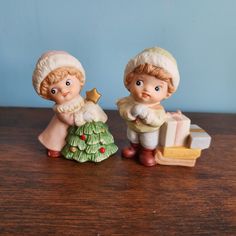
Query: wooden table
{"x": 46, "y": 196}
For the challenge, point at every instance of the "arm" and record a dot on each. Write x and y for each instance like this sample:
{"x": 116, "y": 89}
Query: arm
{"x": 155, "y": 118}
{"x": 125, "y": 107}
{"x": 93, "y": 112}
{"x": 151, "y": 117}
{"x": 90, "y": 112}
{"x": 66, "y": 118}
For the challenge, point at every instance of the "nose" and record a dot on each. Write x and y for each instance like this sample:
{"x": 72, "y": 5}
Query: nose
{"x": 147, "y": 88}
{"x": 64, "y": 90}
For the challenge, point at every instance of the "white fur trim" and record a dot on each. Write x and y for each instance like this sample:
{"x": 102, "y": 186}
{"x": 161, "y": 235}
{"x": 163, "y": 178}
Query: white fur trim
{"x": 140, "y": 110}
{"x": 50, "y": 61}
{"x": 157, "y": 57}
{"x": 70, "y": 106}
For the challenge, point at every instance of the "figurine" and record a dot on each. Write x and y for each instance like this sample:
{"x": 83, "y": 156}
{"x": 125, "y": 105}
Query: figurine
{"x": 150, "y": 77}
{"x": 58, "y": 76}
{"x": 157, "y": 137}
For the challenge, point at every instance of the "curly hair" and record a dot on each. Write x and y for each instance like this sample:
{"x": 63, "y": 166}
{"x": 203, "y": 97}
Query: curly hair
{"x": 56, "y": 76}
{"x": 151, "y": 70}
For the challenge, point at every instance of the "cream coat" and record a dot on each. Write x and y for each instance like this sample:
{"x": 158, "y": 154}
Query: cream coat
{"x": 155, "y": 118}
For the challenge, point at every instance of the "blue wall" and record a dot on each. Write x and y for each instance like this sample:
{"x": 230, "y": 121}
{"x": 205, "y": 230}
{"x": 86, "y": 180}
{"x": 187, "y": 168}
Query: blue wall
{"x": 105, "y": 34}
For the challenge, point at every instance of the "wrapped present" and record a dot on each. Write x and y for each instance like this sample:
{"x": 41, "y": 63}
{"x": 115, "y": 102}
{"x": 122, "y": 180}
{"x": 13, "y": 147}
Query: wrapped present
{"x": 198, "y": 138}
{"x": 167, "y": 132}
{"x": 175, "y": 130}
{"x": 163, "y": 160}
{"x": 183, "y": 153}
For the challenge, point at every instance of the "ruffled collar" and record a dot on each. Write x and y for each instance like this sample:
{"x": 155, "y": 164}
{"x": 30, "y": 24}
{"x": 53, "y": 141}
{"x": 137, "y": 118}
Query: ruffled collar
{"x": 70, "y": 106}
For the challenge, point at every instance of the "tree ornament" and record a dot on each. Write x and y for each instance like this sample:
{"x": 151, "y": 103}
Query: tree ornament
{"x": 83, "y": 137}
{"x": 102, "y": 149}
{"x": 73, "y": 149}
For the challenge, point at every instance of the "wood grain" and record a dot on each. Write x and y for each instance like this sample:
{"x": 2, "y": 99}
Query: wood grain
{"x": 45, "y": 196}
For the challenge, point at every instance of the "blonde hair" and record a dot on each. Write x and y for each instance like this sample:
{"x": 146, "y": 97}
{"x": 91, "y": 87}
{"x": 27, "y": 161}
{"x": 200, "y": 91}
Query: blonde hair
{"x": 152, "y": 70}
{"x": 56, "y": 76}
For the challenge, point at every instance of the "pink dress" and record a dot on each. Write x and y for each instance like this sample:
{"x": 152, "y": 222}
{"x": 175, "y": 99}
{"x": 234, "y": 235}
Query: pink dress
{"x": 53, "y": 137}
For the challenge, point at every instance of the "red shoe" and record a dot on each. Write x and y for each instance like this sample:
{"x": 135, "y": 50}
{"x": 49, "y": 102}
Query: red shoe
{"x": 131, "y": 151}
{"x": 54, "y": 154}
{"x": 146, "y": 157}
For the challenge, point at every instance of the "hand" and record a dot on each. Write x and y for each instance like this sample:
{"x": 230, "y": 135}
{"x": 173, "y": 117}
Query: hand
{"x": 140, "y": 110}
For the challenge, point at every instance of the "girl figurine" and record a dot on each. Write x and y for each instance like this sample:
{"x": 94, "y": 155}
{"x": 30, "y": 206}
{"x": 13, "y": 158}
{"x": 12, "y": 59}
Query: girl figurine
{"x": 59, "y": 77}
{"x": 150, "y": 77}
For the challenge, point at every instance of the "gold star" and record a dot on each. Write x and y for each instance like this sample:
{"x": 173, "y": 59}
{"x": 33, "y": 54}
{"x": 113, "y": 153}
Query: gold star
{"x": 93, "y": 95}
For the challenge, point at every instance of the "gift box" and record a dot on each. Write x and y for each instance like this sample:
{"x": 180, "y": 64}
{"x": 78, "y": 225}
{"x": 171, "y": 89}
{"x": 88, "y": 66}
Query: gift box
{"x": 174, "y": 161}
{"x": 198, "y": 138}
{"x": 183, "y": 153}
{"x": 175, "y": 131}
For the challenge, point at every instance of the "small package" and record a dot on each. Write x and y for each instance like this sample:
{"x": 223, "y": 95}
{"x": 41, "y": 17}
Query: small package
{"x": 181, "y": 153}
{"x": 175, "y": 131}
{"x": 198, "y": 138}
{"x": 189, "y": 161}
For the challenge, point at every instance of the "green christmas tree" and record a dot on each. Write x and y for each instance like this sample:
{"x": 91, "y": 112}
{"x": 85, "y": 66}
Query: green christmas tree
{"x": 90, "y": 142}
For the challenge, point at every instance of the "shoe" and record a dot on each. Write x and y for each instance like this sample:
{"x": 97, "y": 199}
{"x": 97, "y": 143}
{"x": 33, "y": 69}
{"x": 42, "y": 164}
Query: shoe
{"x": 131, "y": 151}
{"x": 53, "y": 154}
{"x": 147, "y": 157}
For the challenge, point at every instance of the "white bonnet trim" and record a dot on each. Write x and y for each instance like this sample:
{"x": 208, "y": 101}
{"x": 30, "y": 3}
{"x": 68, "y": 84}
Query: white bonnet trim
{"x": 156, "y": 58}
{"x": 51, "y": 61}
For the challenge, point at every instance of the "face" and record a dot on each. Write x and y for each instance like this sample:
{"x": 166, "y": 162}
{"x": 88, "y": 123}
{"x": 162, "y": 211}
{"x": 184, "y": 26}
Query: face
{"x": 148, "y": 89}
{"x": 65, "y": 90}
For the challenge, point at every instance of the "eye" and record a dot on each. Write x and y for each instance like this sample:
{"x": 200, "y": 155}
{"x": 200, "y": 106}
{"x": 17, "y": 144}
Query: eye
{"x": 68, "y": 82}
{"x": 53, "y": 91}
{"x": 157, "y": 88}
{"x": 139, "y": 82}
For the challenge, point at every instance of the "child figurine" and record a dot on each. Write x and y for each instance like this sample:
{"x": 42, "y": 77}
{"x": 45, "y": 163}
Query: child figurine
{"x": 59, "y": 77}
{"x": 150, "y": 77}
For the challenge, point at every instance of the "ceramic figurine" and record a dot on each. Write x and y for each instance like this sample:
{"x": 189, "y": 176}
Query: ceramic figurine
{"x": 58, "y": 76}
{"x": 156, "y": 136}
{"x": 150, "y": 77}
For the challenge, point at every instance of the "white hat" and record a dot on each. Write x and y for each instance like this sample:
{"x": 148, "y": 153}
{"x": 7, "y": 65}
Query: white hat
{"x": 158, "y": 57}
{"x": 50, "y": 61}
